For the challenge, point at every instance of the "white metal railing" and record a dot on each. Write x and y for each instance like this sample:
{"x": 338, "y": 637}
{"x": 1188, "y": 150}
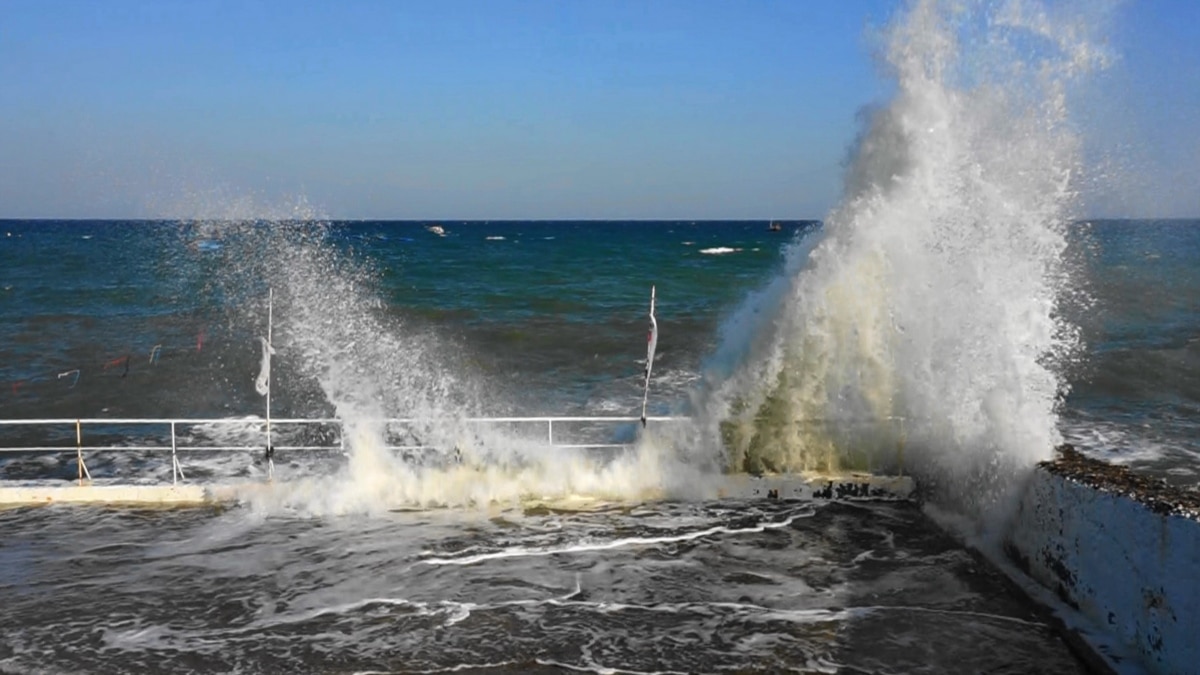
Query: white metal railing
{"x": 173, "y": 425}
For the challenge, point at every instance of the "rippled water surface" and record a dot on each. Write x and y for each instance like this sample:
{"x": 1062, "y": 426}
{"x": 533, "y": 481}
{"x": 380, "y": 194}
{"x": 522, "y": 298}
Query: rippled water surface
{"x": 658, "y": 587}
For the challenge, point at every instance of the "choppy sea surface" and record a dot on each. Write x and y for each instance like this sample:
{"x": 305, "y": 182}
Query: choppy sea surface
{"x": 671, "y": 587}
{"x": 115, "y": 319}
{"x": 541, "y": 318}
{"x": 950, "y": 317}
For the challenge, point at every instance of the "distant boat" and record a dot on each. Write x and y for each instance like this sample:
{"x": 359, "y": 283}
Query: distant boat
{"x": 204, "y": 244}
{"x": 775, "y": 227}
{"x": 437, "y": 229}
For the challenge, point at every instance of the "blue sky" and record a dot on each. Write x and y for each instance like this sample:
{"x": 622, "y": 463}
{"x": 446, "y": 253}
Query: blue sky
{"x": 503, "y": 109}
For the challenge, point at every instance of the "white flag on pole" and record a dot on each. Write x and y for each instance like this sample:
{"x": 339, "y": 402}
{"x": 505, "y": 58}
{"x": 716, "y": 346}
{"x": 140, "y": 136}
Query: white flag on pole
{"x": 652, "y": 342}
{"x": 263, "y": 384}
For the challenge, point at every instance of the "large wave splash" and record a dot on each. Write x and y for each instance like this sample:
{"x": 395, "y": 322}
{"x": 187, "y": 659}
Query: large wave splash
{"x": 341, "y": 351}
{"x": 922, "y": 324}
{"x": 372, "y": 367}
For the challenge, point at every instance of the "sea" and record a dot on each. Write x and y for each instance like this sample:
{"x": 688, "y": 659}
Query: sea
{"x": 954, "y": 317}
{"x": 163, "y": 320}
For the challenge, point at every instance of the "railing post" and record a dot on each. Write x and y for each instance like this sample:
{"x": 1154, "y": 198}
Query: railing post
{"x": 178, "y": 475}
{"x": 79, "y": 453}
{"x": 174, "y": 461}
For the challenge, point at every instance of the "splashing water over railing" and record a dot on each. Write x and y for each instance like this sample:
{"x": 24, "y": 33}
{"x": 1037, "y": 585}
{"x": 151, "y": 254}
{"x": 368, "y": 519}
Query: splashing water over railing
{"x": 936, "y": 288}
{"x": 175, "y": 441}
{"x": 174, "y": 424}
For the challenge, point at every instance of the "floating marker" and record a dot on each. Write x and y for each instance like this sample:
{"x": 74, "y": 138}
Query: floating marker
{"x": 125, "y": 362}
{"x": 114, "y": 362}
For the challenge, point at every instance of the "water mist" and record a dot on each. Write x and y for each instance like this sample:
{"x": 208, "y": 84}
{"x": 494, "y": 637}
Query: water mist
{"x": 924, "y": 316}
{"x": 340, "y": 351}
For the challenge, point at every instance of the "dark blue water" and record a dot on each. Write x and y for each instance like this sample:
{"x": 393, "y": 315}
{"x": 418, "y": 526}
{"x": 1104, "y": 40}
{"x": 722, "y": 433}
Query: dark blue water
{"x": 952, "y": 215}
{"x": 1135, "y": 398}
{"x": 558, "y": 307}
{"x": 162, "y": 318}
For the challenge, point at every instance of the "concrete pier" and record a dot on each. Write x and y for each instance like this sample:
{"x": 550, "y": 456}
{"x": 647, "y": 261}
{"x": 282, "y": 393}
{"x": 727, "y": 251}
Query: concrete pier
{"x": 1122, "y": 550}
{"x": 140, "y": 495}
{"x": 784, "y": 486}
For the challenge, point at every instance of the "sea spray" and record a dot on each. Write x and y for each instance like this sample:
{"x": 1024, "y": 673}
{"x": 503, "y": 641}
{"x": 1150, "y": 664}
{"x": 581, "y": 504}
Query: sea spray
{"x": 354, "y": 358}
{"x": 922, "y": 324}
{"x": 338, "y": 348}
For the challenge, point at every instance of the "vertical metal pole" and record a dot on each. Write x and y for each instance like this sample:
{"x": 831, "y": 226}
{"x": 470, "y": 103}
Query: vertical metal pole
{"x": 270, "y": 381}
{"x": 79, "y": 450}
{"x": 550, "y": 431}
{"x": 174, "y": 461}
{"x": 83, "y": 470}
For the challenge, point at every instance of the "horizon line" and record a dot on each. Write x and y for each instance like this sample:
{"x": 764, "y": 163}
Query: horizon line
{"x": 416, "y": 220}
{"x": 162, "y": 219}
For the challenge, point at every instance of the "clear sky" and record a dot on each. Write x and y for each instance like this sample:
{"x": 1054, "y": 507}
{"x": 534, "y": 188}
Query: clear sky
{"x": 491, "y": 109}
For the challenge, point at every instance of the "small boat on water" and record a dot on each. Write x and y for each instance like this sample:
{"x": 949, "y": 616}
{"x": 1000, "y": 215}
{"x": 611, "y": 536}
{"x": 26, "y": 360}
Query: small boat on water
{"x": 204, "y": 244}
{"x": 775, "y": 227}
{"x": 437, "y": 229}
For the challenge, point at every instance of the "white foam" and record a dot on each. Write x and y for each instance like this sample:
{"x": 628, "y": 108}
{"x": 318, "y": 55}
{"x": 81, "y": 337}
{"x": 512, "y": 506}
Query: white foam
{"x": 583, "y": 547}
{"x": 494, "y": 472}
{"x": 1133, "y": 443}
{"x": 932, "y": 292}
{"x": 330, "y": 326}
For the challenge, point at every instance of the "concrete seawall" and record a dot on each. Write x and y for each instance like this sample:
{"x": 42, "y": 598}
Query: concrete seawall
{"x": 738, "y": 486}
{"x": 1117, "y": 550}
{"x": 1120, "y": 549}
{"x": 117, "y": 495}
